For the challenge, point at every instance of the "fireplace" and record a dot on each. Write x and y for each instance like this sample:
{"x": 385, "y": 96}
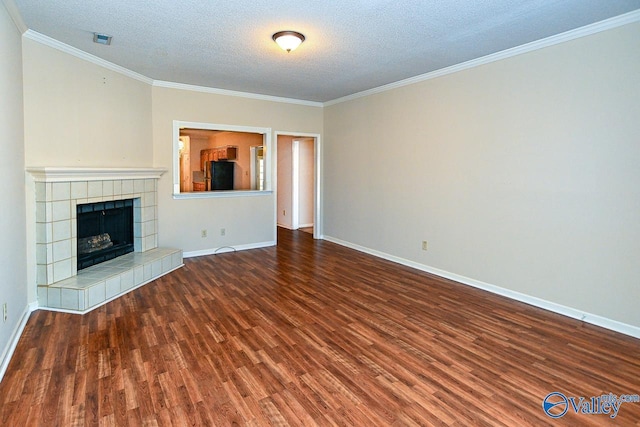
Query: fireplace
{"x": 105, "y": 231}
{"x": 59, "y": 191}
{"x": 121, "y": 207}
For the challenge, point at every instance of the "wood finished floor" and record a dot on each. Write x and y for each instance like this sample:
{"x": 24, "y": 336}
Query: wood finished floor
{"x": 311, "y": 333}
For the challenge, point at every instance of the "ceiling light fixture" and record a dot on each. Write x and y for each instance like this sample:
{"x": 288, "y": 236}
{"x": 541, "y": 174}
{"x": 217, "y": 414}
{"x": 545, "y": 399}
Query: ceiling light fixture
{"x": 101, "y": 38}
{"x": 288, "y": 40}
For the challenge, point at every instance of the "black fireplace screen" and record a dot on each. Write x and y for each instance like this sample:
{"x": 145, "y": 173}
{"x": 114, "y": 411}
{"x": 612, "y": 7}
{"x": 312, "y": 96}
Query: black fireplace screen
{"x": 105, "y": 231}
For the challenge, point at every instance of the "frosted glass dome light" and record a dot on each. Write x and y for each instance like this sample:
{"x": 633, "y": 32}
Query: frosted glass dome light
{"x": 288, "y": 40}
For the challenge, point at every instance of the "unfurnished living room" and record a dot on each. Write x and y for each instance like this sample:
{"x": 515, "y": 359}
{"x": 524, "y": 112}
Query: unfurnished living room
{"x": 360, "y": 213}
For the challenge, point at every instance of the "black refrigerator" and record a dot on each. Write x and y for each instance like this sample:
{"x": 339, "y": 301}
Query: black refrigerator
{"x": 222, "y": 175}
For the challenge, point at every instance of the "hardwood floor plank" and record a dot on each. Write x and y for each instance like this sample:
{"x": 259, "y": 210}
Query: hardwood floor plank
{"x": 311, "y": 333}
{"x": 294, "y": 412}
{"x": 272, "y": 413}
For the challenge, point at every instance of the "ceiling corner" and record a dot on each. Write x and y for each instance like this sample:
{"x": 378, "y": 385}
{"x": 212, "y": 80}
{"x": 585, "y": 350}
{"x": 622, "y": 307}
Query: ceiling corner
{"x": 16, "y": 16}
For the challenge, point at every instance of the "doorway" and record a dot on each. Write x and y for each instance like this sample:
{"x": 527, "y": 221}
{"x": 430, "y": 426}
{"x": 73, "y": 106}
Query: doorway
{"x": 298, "y": 182}
{"x": 257, "y": 167}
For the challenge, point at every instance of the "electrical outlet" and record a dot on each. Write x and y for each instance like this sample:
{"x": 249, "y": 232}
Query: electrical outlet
{"x": 223, "y": 232}
{"x": 203, "y": 233}
{"x": 5, "y": 314}
{"x": 424, "y": 245}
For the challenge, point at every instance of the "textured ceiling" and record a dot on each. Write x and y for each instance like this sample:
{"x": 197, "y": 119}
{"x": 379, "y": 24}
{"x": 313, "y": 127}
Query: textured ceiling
{"x": 351, "y": 45}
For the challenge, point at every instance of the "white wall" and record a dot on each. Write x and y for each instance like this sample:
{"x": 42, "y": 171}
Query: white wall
{"x": 13, "y": 267}
{"x": 247, "y": 220}
{"x": 522, "y": 173}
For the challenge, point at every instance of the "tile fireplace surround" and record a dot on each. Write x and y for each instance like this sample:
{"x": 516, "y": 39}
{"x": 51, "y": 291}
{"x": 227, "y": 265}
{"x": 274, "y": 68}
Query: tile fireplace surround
{"x": 58, "y": 191}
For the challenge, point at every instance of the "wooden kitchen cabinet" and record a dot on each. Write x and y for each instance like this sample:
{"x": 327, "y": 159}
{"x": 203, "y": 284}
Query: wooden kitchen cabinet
{"x": 228, "y": 152}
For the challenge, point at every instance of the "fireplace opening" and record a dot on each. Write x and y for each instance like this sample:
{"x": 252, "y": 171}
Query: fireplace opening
{"x": 105, "y": 231}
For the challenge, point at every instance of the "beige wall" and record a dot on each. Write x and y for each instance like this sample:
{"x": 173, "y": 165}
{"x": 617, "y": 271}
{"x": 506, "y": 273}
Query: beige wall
{"x": 13, "y": 264}
{"x": 246, "y": 220}
{"x": 522, "y": 173}
{"x": 305, "y": 189}
{"x": 285, "y": 189}
{"x": 80, "y": 114}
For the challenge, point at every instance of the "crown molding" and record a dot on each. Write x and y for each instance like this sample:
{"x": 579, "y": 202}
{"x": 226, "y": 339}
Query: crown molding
{"x": 48, "y": 41}
{"x": 577, "y": 33}
{"x": 15, "y": 15}
{"x": 204, "y": 89}
{"x": 72, "y": 174}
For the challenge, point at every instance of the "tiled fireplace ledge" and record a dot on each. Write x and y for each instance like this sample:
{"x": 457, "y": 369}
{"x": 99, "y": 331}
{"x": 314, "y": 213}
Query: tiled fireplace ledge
{"x": 101, "y": 283}
{"x": 58, "y": 191}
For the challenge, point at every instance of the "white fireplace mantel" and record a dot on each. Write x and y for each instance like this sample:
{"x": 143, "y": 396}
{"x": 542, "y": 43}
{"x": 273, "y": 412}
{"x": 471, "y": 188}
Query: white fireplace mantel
{"x": 75, "y": 174}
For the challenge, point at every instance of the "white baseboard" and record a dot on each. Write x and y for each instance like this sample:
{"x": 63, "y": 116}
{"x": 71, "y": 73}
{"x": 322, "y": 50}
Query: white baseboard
{"x": 13, "y": 341}
{"x": 225, "y": 249}
{"x": 288, "y": 227}
{"x": 305, "y": 225}
{"x": 593, "y": 319}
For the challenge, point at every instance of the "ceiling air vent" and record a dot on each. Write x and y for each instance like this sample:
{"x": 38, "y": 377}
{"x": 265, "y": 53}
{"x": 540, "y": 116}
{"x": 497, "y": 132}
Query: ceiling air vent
{"x": 101, "y": 38}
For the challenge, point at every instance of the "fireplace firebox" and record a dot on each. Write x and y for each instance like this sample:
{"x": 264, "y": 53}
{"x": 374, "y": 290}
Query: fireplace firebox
{"x": 105, "y": 231}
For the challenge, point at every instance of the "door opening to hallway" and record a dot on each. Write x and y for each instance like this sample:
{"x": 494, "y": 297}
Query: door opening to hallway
{"x": 297, "y": 183}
